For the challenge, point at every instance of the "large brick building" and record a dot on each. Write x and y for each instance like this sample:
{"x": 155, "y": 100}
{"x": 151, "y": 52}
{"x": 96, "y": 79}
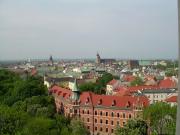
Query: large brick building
{"x": 100, "y": 113}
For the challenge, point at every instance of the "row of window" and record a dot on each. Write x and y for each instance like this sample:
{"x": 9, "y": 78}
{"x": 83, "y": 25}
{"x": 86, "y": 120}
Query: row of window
{"x": 101, "y": 129}
{"x": 156, "y": 96}
{"x": 106, "y": 122}
{"x": 107, "y": 114}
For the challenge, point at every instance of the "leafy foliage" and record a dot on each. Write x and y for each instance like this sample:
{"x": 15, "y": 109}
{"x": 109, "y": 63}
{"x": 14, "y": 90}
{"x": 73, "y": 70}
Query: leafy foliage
{"x": 161, "y": 118}
{"x": 133, "y": 127}
{"x": 27, "y": 109}
{"x": 99, "y": 86}
{"x": 78, "y": 128}
{"x": 138, "y": 81}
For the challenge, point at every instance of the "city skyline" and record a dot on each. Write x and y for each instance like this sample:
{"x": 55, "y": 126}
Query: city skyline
{"x": 78, "y": 29}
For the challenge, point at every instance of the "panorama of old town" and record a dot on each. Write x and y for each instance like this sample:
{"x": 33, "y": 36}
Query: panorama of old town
{"x": 92, "y": 96}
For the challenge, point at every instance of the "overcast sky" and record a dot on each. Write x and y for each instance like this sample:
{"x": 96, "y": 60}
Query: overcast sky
{"x": 79, "y": 28}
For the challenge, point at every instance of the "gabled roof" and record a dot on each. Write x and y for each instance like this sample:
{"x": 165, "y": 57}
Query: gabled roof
{"x": 168, "y": 83}
{"x": 171, "y": 99}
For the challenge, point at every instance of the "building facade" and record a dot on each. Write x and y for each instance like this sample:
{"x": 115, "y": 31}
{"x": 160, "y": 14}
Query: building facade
{"x": 100, "y": 113}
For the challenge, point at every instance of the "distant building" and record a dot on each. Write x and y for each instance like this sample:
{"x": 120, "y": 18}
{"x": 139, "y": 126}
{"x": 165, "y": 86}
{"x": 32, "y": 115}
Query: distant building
{"x": 133, "y": 64}
{"x": 100, "y": 113}
{"x": 51, "y": 62}
{"x": 103, "y": 61}
{"x": 158, "y": 95}
{"x": 111, "y": 86}
{"x": 145, "y": 63}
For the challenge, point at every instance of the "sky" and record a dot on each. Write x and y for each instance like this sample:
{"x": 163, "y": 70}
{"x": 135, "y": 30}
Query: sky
{"x": 136, "y": 29}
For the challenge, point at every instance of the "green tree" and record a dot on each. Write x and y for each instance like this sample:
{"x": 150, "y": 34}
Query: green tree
{"x": 39, "y": 126}
{"x": 62, "y": 124}
{"x": 78, "y": 127}
{"x": 11, "y": 120}
{"x": 99, "y": 86}
{"x": 133, "y": 127}
{"x": 138, "y": 81}
{"x": 161, "y": 118}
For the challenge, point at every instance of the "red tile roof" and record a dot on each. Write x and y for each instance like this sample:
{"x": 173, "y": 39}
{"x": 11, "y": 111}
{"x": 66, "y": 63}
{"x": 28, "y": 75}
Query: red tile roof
{"x": 129, "y": 78}
{"x": 143, "y": 87}
{"x": 66, "y": 93}
{"x": 112, "y": 82}
{"x": 123, "y": 93}
{"x": 102, "y": 100}
{"x": 172, "y": 99}
{"x": 108, "y": 101}
{"x": 168, "y": 83}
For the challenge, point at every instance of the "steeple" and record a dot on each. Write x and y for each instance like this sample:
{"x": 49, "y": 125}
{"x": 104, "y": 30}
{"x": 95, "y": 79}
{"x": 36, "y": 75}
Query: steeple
{"x": 75, "y": 91}
{"x": 98, "y": 58}
{"x": 51, "y": 60}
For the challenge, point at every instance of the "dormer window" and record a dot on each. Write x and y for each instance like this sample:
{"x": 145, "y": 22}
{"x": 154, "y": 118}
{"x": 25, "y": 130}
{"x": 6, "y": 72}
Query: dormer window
{"x": 59, "y": 93}
{"x": 128, "y": 104}
{"x": 87, "y": 100}
{"x": 100, "y": 102}
{"x": 114, "y": 103}
{"x": 64, "y": 94}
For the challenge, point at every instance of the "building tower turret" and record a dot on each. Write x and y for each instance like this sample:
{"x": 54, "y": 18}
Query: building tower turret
{"x": 75, "y": 92}
{"x": 51, "y": 61}
{"x": 98, "y": 58}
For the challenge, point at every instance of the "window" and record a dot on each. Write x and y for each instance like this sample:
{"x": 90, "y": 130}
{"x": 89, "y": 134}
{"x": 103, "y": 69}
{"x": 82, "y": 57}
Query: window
{"x": 82, "y": 111}
{"x": 112, "y": 122}
{"x": 88, "y": 112}
{"x": 118, "y": 123}
{"x": 106, "y": 113}
{"x": 95, "y": 120}
{"x": 112, "y": 114}
{"x": 112, "y": 130}
{"x": 101, "y": 129}
{"x": 95, "y": 113}
{"x": 100, "y": 120}
{"x": 106, "y": 121}
{"x": 75, "y": 111}
{"x": 124, "y": 115}
{"x": 87, "y": 119}
{"x": 95, "y": 128}
{"x": 130, "y": 116}
{"x": 118, "y": 115}
{"x": 106, "y": 129}
{"x": 101, "y": 113}
{"x": 88, "y": 127}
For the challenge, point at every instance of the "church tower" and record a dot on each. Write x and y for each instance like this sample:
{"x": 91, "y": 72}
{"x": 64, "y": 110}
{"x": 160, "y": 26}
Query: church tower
{"x": 51, "y": 62}
{"x": 75, "y": 92}
{"x": 98, "y": 58}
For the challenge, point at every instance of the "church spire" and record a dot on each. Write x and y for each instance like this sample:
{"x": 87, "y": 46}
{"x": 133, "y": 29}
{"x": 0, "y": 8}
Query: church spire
{"x": 98, "y": 58}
